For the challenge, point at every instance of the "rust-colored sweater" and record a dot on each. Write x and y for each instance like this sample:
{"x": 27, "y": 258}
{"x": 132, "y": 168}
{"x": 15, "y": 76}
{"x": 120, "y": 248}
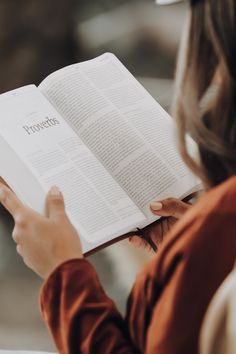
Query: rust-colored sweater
{"x": 166, "y": 307}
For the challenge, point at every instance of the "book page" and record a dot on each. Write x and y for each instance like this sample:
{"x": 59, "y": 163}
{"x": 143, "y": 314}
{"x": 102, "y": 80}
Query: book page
{"x": 123, "y": 126}
{"x": 46, "y": 145}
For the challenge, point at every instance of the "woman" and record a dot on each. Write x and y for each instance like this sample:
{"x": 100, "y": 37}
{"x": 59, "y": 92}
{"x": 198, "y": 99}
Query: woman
{"x": 168, "y": 302}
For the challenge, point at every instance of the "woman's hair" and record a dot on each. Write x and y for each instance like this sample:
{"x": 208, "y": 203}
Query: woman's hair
{"x": 208, "y": 59}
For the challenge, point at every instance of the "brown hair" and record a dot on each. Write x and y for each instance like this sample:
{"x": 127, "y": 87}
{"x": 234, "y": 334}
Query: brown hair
{"x": 209, "y": 52}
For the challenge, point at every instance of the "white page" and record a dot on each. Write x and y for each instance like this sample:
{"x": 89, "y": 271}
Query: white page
{"x": 50, "y": 149}
{"x": 109, "y": 109}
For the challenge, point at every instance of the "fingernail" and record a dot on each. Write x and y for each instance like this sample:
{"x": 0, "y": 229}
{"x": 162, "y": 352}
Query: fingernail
{"x": 156, "y": 206}
{"x": 55, "y": 191}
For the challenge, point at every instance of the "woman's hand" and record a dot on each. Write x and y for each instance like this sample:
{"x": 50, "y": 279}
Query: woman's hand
{"x": 171, "y": 210}
{"x": 44, "y": 242}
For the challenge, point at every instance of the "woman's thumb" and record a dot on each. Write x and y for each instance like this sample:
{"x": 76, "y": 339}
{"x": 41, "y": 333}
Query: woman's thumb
{"x": 55, "y": 206}
{"x": 169, "y": 207}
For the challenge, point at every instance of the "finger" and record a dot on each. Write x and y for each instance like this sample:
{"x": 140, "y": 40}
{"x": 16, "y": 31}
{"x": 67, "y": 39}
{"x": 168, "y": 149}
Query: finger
{"x": 16, "y": 235}
{"x": 19, "y": 250}
{"x": 55, "y": 206}
{"x": 156, "y": 233}
{"x": 165, "y": 226}
{"x": 169, "y": 207}
{"x": 10, "y": 201}
{"x": 137, "y": 241}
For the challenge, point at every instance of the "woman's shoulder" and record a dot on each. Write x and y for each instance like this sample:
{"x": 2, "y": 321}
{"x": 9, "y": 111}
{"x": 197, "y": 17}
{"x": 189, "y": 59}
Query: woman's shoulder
{"x": 178, "y": 284}
{"x": 214, "y": 211}
{"x": 206, "y": 231}
{"x": 218, "y": 200}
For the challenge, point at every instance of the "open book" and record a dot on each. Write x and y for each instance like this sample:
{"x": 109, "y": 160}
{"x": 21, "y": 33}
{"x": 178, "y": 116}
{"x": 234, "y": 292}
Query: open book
{"x": 96, "y": 133}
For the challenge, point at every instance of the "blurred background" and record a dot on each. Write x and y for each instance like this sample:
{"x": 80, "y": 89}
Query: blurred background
{"x": 36, "y": 38}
